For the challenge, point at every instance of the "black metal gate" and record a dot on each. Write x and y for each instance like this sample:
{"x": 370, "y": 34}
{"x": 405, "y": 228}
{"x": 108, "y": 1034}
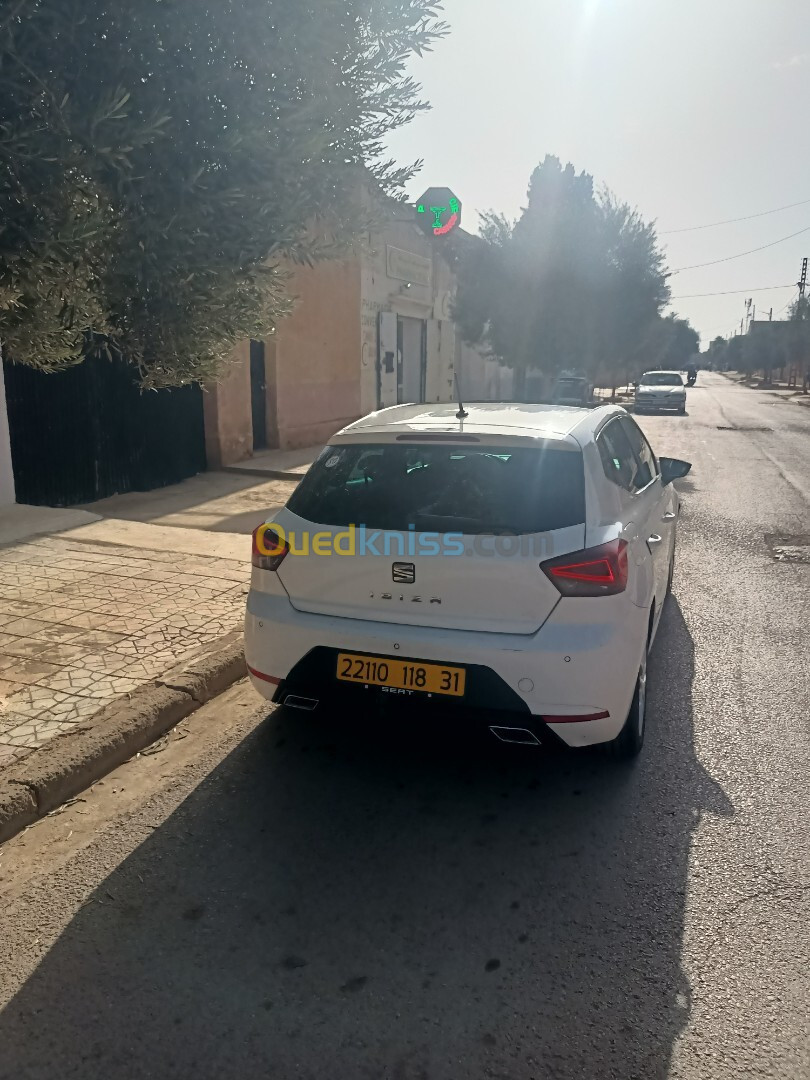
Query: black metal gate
{"x": 258, "y": 395}
{"x": 90, "y": 432}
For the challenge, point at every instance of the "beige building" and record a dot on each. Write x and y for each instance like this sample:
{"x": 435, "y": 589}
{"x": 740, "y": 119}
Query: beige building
{"x": 371, "y": 331}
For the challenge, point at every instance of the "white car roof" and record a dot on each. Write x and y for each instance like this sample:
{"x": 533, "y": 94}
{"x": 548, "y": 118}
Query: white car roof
{"x": 663, "y": 371}
{"x": 502, "y": 419}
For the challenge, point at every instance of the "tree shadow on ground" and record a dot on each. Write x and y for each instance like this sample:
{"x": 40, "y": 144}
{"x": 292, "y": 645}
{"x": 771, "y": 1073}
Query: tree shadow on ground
{"x": 340, "y": 901}
{"x": 215, "y": 501}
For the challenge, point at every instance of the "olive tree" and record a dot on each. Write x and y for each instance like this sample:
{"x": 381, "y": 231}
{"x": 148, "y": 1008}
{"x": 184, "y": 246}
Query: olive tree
{"x": 160, "y": 159}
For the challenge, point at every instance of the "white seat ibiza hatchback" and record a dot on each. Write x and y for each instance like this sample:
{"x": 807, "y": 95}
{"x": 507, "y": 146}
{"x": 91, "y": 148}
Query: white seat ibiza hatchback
{"x": 504, "y": 566}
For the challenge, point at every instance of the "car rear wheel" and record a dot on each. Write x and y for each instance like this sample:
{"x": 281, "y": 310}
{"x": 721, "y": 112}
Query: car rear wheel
{"x": 628, "y": 743}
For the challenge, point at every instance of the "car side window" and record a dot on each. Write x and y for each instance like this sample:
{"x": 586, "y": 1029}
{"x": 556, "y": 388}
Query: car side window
{"x": 647, "y": 468}
{"x": 618, "y": 459}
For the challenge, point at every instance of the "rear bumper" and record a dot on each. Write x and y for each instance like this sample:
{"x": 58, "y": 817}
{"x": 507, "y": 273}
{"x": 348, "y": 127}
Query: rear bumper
{"x": 489, "y": 702}
{"x": 569, "y": 668}
{"x": 660, "y": 405}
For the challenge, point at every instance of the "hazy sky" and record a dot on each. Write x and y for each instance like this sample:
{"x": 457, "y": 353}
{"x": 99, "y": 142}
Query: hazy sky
{"x": 694, "y": 111}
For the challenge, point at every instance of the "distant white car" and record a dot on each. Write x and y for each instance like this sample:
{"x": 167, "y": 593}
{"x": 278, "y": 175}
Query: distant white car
{"x": 661, "y": 390}
{"x": 508, "y": 568}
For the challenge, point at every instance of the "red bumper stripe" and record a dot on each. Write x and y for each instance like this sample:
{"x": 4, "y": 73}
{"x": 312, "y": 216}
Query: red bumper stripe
{"x": 265, "y": 678}
{"x": 576, "y": 719}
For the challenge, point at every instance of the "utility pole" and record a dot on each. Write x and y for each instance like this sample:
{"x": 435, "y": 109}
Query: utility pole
{"x": 802, "y": 286}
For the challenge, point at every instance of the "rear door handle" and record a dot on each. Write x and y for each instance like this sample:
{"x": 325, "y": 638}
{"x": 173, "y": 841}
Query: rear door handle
{"x": 669, "y": 516}
{"x": 654, "y": 539}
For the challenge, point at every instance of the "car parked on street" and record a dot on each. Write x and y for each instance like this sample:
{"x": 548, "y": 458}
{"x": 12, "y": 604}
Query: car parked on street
{"x": 572, "y": 390}
{"x": 660, "y": 390}
{"x": 507, "y": 565}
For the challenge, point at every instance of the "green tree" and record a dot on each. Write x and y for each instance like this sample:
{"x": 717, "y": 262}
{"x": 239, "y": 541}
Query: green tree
{"x": 799, "y": 338}
{"x": 158, "y": 161}
{"x": 480, "y": 261}
{"x": 669, "y": 343}
{"x": 573, "y": 284}
{"x": 716, "y": 353}
{"x": 630, "y": 294}
{"x": 734, "y": 353}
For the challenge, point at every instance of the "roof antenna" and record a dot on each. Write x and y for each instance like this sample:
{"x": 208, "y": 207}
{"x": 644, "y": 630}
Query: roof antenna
{"x": 462, "y": 413}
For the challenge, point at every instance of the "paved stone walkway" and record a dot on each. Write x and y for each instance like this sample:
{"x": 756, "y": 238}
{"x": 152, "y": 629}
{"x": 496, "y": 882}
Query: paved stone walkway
{"x": 82, "y": 623}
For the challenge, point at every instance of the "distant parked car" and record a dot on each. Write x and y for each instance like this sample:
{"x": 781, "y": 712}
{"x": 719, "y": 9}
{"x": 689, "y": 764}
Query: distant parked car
{"x": 572, "y": 390}
{"x": 661, "y": 390}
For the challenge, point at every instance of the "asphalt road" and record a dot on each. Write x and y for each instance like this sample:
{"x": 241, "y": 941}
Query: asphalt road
{"x": 268, "y": 897}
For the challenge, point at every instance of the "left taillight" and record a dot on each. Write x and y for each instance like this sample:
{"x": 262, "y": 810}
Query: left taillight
{"x": 269, "y": 550}
{"x": 598, "y": 571}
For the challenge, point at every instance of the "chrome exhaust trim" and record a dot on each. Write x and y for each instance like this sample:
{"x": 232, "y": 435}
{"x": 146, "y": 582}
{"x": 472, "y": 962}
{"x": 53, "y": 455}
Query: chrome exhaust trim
{"x": 515, "y": 735}
{"x": 307, "y": 704}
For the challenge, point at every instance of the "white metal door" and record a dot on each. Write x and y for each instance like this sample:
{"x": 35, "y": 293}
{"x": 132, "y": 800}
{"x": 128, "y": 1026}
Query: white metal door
{"x": 387, "y": 360}
{"x": 411, "y": 353}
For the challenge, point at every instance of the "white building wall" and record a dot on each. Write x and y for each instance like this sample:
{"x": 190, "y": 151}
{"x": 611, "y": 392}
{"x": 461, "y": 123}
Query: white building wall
{"x": 398, "y": 252}
{"x": 484, "y": 378}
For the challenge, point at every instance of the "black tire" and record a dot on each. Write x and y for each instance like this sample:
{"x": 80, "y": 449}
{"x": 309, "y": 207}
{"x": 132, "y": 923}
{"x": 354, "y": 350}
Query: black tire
{"x": 671, "y": 572}
{"x": 628, "y": 743}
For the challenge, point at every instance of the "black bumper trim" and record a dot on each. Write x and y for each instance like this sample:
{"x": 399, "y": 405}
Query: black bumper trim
{"x": 488, "y": 700}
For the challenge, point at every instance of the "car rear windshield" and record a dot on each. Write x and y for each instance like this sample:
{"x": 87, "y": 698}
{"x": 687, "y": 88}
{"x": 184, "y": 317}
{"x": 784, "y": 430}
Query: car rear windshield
{"x": 661, "y": 378}
{"x": 444, "y": 488}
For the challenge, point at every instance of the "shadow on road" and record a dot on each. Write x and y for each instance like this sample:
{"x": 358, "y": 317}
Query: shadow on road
{"x": 670, "y": 414}
{"x": 213, "y": 501}
{"x": 359, "y": 904}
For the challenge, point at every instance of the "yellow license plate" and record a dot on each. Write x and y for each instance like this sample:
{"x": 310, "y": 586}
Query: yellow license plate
{"x": 401, "y": 674}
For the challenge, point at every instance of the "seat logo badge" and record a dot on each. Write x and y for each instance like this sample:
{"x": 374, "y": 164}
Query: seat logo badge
{"x": 404, "y": 573}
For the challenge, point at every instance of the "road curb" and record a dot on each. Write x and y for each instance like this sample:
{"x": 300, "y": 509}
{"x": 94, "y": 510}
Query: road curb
{"x": 267, "y": 474}
{"x": 793, "y": 397}
{"x": 70, "y": 763}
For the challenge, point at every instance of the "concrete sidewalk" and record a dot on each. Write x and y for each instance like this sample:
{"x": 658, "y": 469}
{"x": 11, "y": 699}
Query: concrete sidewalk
{"x": 283, "y": 464}
{"x": 99, "y": 602}
{"x": 776, "y": 389}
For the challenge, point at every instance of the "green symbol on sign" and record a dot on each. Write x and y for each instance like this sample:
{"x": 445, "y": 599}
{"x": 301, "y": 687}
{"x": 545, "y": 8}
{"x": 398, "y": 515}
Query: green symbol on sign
{"x": 438, "y": 211}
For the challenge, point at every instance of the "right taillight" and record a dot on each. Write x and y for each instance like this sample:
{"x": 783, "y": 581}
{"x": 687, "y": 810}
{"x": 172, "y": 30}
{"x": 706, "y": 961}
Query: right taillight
{"x": 598, "y": 571}
{"x": 269, "y": 549}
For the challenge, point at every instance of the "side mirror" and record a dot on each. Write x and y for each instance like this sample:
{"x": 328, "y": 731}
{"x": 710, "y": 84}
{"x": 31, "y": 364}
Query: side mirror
{"x": 673, "y": 469}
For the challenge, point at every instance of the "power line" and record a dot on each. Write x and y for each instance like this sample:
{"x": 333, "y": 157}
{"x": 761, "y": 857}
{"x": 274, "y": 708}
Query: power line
{"x": 730, "y": 333}
{"x": 731, "y": 221}
{"x": 731, "y": 292}
{"x": 787, "y": 305}
{"x": 751, "y": 251}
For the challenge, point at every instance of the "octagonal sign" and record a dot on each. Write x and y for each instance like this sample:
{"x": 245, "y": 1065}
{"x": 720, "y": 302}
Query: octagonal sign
{"x": 438, "y": 212}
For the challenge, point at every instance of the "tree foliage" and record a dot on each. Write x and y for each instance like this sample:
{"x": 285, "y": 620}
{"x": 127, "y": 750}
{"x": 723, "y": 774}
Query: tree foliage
{"x": 669, "y": 343}
{"x": 158, "y": 159}
{"x": 578, "y": 282}
{"x": 769, "y": 346}
{"x": 715, "y": 354}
